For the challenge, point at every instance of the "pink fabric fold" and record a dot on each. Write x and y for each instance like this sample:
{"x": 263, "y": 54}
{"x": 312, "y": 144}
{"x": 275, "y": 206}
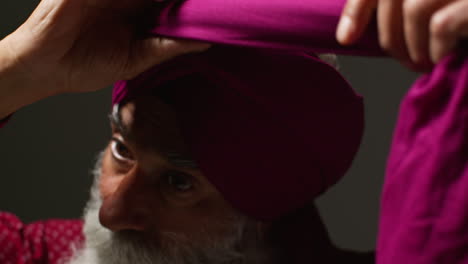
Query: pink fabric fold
{"x": 424, "y": 212}
{"x": 42, "y": 242}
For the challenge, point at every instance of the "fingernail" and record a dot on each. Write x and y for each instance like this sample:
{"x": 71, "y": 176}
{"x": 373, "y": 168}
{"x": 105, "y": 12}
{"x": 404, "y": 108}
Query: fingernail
{"x": 345, "y": 30}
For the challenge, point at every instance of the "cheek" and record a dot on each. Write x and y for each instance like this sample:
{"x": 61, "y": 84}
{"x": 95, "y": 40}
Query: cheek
{"x": 215, "y": 214}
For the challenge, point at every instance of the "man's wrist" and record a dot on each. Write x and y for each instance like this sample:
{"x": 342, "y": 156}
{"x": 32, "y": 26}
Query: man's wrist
{"x": 17, "y": 89}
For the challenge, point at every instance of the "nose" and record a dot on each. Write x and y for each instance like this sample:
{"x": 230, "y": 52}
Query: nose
{"x": 129, "y": 205}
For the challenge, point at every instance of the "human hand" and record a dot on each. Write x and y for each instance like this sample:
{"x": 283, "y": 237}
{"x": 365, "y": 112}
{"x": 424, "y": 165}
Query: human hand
{"x": 85, "y": 45}
{"x": 418, "y": 33}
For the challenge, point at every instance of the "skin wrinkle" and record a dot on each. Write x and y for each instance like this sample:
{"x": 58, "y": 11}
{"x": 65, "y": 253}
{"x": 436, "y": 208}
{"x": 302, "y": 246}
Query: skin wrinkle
{"x": 45, "y": 17}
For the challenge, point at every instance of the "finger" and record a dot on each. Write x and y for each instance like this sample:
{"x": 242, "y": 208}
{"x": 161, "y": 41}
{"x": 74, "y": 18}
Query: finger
{"x": 354, "y": 20}
{"x": 447, "y": 27}
{"x": 417, "y": 16}
{"x": 390, "y": 25}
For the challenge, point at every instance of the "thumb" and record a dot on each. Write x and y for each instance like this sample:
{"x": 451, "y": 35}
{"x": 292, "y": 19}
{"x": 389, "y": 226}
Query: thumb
{"x": 164, "y": 49}
{"x": 157, "y": 50}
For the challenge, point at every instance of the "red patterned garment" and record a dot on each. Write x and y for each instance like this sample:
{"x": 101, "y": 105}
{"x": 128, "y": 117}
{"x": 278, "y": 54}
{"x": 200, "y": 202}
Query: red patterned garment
{"x": 42, "y": 242}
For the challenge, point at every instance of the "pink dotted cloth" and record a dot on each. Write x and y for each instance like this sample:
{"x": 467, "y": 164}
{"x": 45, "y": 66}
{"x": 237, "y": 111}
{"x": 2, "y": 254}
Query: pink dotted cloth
{"x": 43, "y": 242}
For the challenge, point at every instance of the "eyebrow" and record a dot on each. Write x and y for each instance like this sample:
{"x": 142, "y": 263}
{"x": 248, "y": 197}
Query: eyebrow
{"x": 176, "y": 159}
{"x": 181, "y": 161}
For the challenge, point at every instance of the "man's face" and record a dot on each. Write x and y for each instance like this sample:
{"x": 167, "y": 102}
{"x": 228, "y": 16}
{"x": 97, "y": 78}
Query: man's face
{"x": 153, "y": 203}
{"x": 150, "y": 183}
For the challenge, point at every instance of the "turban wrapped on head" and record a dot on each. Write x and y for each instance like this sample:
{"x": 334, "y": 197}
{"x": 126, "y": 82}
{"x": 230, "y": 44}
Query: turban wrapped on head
{"x": 271, "y": 130}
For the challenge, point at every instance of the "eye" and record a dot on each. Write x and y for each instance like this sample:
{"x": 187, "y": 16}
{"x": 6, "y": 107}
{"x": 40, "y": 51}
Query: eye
{"x": 119, "y": 151}
{"x": 179, "y": 181}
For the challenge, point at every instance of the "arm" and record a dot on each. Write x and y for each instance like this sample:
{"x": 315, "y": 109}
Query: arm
{"x": 71, "y": 46}
{"x": 15, "y": 89}
{"x": 301, "y": 25}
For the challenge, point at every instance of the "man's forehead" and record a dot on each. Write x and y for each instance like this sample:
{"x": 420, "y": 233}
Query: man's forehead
{"x": 146, "y": 114}
{"x": 152, "y": 125}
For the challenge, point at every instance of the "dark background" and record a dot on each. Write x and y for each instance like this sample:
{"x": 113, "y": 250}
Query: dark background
{"x": 48, "y": 148}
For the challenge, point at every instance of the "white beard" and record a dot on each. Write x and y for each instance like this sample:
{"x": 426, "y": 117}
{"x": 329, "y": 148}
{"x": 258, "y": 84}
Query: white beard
{"x": 103, "y": 246}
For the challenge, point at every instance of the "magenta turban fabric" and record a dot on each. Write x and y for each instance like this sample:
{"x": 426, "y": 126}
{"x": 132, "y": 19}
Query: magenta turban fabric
{"x": 424, "y": 212}
{"x": 293, "y": 25}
